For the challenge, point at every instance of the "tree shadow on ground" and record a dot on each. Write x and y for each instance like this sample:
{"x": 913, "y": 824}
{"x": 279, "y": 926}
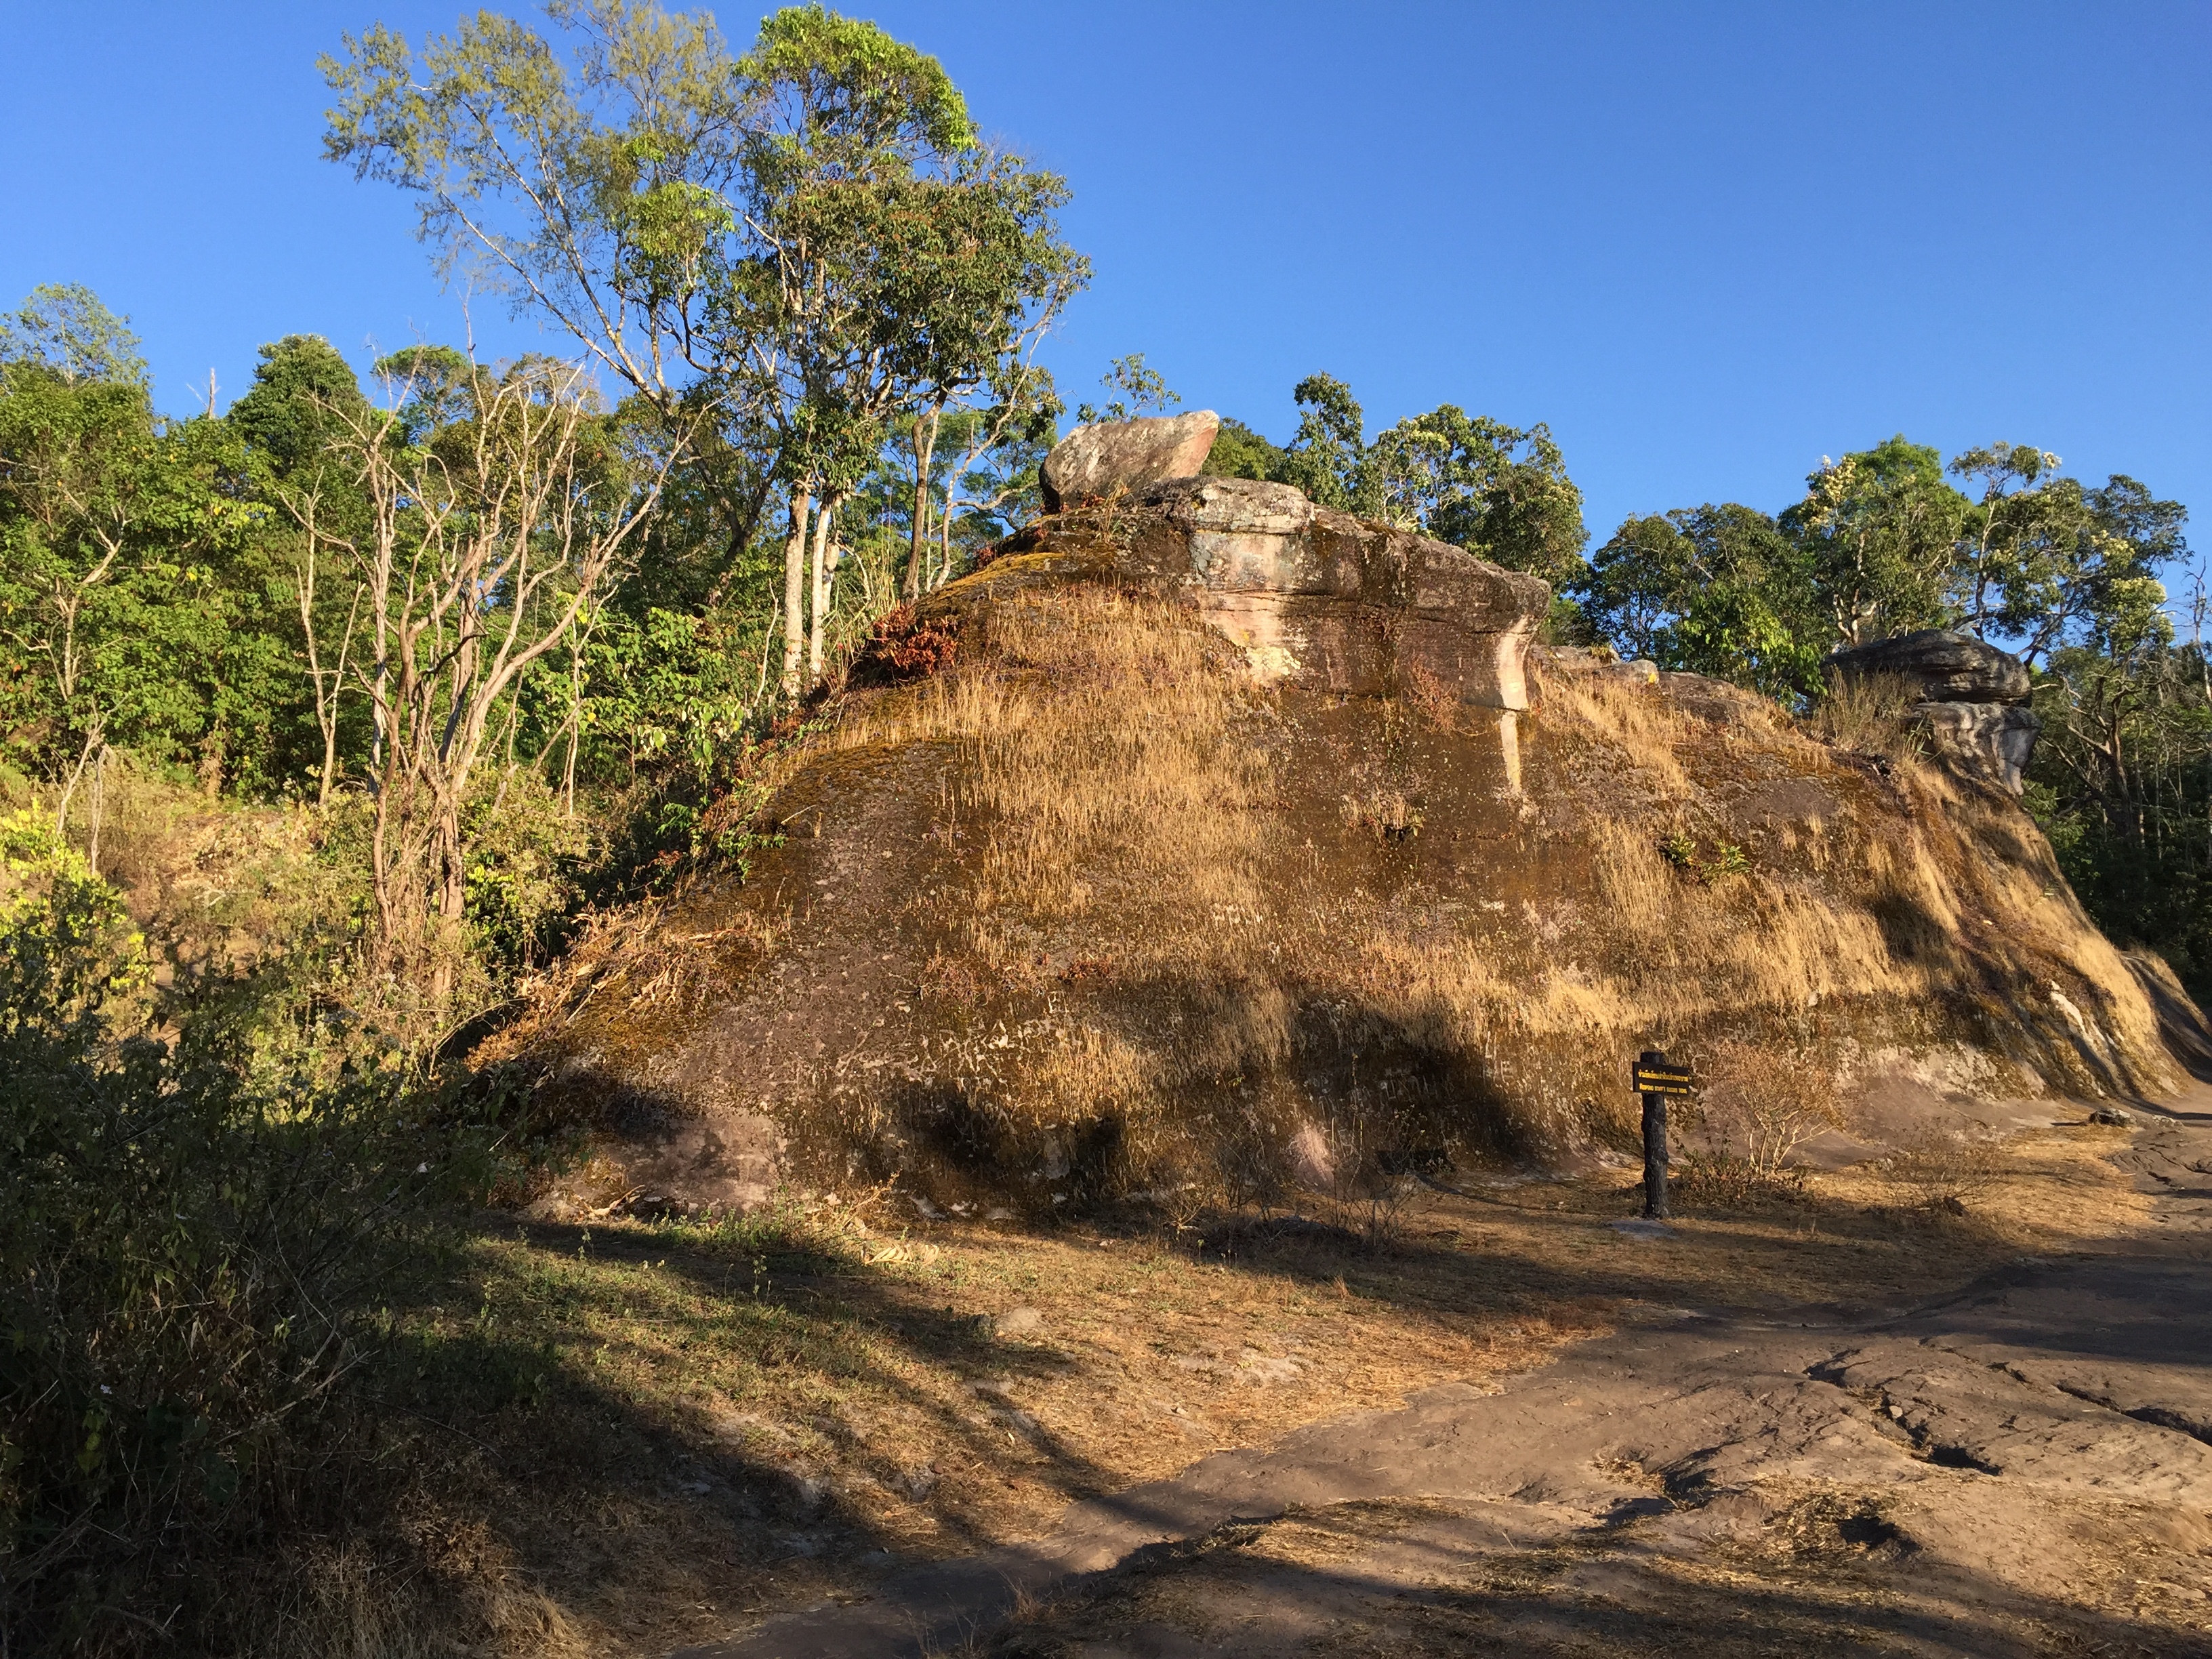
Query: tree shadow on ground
{"x": 536, "y": 1389}
{"x": 1431, "y": 1579}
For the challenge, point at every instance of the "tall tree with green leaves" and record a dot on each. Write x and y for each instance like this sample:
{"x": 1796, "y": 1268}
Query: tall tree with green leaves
{"x": 1499, "y": 491}
{"x": 790, "y": 246}
{"x": 2042, "y": 555}
{"x": 1715, "y": 590}
{"x": 295, "y": 420}
{"x": 1879, "y": 529}
{"x": 137, "y": 608}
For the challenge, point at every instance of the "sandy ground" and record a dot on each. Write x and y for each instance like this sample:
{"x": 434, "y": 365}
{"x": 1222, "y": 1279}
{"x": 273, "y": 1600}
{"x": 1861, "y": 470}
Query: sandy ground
{"x": 2025, "y": 1468}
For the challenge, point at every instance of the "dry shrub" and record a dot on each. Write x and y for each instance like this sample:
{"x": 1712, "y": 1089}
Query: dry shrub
{"x": 1718, "y": 1180}
{"x": 1866, "y": 713}
{"x": 1770, "y": 1100}
{"x": 907, "y": 649}
{"x": 1437, "y": 701}
{"x": 1941, "y": 1171}
{"x": 1386, "y": 814}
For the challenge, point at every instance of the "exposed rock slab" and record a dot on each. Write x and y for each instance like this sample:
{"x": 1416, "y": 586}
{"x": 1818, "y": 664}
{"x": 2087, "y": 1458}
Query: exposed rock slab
{"x": 1111, "y": 457}
{"x": 1985, "y": 1467}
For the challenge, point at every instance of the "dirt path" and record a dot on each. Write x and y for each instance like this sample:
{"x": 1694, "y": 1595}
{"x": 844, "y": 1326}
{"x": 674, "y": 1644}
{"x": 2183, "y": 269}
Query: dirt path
{"x": 2024, "y": 1468}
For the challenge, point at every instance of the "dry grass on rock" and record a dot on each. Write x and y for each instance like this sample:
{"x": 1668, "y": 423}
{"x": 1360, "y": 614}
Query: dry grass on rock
{"x": 1085, "y": 915}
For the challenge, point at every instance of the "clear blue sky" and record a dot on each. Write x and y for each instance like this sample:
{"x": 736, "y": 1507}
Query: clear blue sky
{"x": 1708, "y": 244}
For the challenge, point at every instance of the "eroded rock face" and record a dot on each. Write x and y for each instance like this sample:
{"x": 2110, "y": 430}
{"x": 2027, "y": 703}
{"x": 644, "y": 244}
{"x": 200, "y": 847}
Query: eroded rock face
{"x": 1972, "y": 698}
{"x": 1315, "y": 597}
{"x": 1126, "y": 456}
{"x": 1986, "y": 741}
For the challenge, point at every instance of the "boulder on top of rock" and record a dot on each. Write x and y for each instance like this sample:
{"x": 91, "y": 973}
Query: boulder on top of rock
{"x": 1939, "y": 666}
{"x": 1127, "y": 455}
{"x": 1969, "y": 698}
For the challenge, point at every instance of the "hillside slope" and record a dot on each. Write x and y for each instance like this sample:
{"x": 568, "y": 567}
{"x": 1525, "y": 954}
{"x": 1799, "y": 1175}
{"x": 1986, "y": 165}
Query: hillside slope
{"x": 1167, "y": 883}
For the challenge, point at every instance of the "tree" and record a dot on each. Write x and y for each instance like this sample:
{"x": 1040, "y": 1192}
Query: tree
{"x": 1135, "y": 390}
{"x": 788, "y": 248}
{"x": 2042, "y": 556}
{"x": 1711, "y": 590}
{"x": 1501, "y": 492}
{"x": 1880, "y": 528}
{"x": 135, "y": 598}
{"x": 501, "y": 506}
{"x": 295, "y": 419}
{"x": 64, "y": 330}
{"x": 1327, "y": 457}
{"x": 1240, "y": 452}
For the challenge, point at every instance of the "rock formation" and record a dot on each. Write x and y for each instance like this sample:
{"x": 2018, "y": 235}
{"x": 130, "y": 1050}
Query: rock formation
{"x": 1312, "y": 596}
{"x": 1111, "y": 457}
{"x": 1218, "y": 831}
{"x": 1969, "y": 696}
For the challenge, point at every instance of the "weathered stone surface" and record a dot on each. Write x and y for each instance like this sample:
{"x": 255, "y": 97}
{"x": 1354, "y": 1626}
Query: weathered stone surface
{"x": 1099, "y": 459}
{"x": 1939, "y": 666}
{"x": 1990, "y": 741}
{"x": 1324, "y": 600}
{"x": 1970, "y": 696}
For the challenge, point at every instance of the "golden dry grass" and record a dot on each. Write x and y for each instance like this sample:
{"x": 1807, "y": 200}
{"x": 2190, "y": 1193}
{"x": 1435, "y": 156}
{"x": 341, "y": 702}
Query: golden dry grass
{"x": 1867, "y": 714}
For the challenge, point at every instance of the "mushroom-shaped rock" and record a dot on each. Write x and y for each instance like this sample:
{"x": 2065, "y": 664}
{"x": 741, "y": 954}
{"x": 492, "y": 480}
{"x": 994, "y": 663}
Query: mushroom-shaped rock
{"x": 1099, "y": 459}
{"x": 1970, "y": 698}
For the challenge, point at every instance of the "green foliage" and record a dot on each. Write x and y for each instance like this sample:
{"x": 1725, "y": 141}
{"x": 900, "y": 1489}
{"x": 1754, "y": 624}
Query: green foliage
{"x": 1881, "y": 544}
{"x": 1326, "y": 457}
{"x": 1711, "y": 590}
{"x": 1680, "y": 849}
{"x": 181, "y": 1259}
{"x": 1240, "y": 452}
{"x": 66, "y": 332}
{"x": 786, "y": 255}
{"x": 1136, "y": 390}
{"x": 1498, "y": 491}
{"x": 294, "y": 412}
{"x": 1878, "y": 531}
{"x": 140, "y": 603}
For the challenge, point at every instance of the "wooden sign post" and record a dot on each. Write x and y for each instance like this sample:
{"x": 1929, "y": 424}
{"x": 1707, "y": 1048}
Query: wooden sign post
{"x": 1656, "y": 1077}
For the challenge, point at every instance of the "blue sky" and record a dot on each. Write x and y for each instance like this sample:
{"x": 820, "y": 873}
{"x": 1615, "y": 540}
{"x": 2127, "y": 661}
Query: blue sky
{"x": 1709, "y": 244}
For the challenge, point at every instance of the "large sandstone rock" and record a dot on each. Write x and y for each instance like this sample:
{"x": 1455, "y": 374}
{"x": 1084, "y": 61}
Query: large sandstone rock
{"x": 1991, "y": 741}
{"x": 1313, "y": 596}
{"x": 1098, "y": 460}
{"x": 1940, "y": 665}
{"x": 1970, "y": 698}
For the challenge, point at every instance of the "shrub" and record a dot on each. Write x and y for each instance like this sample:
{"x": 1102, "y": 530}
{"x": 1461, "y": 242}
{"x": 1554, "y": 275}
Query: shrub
{"x": 1942, "y": 1171}
{"x": 1770, "y": 1102}
{"x": 180, "y": 1256}
{"x": 902, "y": 647}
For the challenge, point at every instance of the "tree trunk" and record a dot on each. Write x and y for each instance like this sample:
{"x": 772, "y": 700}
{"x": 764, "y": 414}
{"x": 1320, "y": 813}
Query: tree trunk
{"x": 794, "y": 590}
{"x": 818, "y": 616}
{"x": 925, "y": 445}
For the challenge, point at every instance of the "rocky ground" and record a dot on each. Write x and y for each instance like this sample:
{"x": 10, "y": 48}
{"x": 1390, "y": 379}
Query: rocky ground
{"x": 2023, "y": 1468}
